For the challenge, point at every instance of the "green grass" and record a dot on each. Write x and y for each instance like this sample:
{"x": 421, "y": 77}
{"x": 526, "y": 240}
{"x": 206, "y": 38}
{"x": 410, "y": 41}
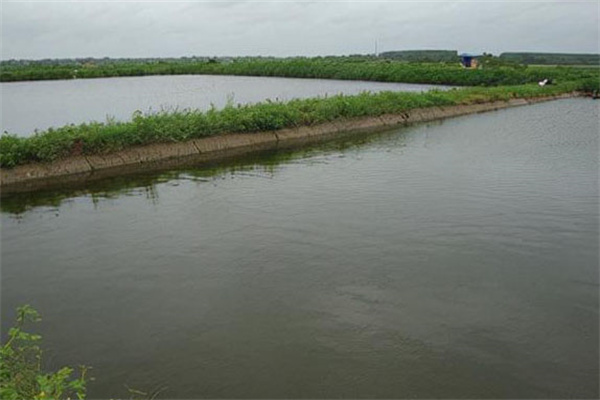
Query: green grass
{"x": 326, "y": 68}
{"x": 553, "y": 58}
{"x": 165, "y": 127}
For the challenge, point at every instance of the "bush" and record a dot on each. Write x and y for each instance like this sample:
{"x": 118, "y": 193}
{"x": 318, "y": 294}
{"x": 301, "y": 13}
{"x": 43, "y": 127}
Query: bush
{"x": 21, "y": 375}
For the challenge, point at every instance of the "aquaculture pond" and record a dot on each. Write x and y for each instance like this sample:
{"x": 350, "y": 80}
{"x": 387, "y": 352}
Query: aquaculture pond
{"x": 455, "y": 259}
{"x": 27, "y": 106}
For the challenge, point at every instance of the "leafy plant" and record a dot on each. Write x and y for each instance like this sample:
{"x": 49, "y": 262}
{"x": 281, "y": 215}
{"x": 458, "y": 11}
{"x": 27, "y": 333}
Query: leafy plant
{"x": 21, "y": 374}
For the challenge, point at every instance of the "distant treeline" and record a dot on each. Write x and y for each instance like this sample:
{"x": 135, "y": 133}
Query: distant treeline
{"x": 517, "y": 58}
{"x": 422, "y": 55}
{"x": 107, "y": 60}
{"x": 347, "y": 68}
{"x": 552, "y": 58}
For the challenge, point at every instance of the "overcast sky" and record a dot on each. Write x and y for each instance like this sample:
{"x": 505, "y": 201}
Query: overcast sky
{"x": 52, "y": 29}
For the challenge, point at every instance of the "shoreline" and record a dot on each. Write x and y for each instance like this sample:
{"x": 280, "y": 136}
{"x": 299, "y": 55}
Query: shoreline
{"x": 79, "y": 169}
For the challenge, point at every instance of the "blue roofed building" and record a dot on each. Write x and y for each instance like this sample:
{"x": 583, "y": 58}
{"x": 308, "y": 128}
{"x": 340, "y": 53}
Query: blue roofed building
{"x": 469, "y": 60}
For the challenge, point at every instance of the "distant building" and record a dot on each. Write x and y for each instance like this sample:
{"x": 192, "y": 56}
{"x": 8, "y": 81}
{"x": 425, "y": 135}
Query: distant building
{"x": 469, "y": 60}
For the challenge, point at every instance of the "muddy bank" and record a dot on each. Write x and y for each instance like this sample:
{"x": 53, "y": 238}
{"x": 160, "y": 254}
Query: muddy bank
{"x": 79, "y": 169}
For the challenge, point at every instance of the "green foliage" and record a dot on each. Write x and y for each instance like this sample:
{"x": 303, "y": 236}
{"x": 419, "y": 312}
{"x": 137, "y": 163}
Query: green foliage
{"x": 97, "y": 138}
{"x": 422, "y": 55}
{"x": 488, "y": 61}
{"x": 13, "y": 149}
{"x": 21, "y": 375}
{"x": 350, "y": 68}
{"x": 162, "y": 127}
{"x": 552, "y": 58}
{"x": 590, "y": 85}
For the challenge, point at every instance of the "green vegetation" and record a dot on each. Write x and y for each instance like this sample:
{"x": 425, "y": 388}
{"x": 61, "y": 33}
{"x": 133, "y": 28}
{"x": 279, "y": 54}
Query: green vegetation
{"x": 590, "y": 86}
{"x": 504, "y": 80}
{"x": 422, "y": 55}
{"x": 553, "y": 58}
{"x": 21, "y": 375}
{"x": 349, "y": 68}
{"x": 99, "y": 138}
{"x": 21, "y": 368}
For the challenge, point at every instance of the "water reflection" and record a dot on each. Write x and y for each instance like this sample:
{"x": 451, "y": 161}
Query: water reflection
{"x": 263, "y": 163}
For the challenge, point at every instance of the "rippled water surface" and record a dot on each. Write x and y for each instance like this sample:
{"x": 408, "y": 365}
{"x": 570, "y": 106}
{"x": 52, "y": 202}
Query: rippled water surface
{"x": 456, "y": 259}
{"x": 27, "y": 106}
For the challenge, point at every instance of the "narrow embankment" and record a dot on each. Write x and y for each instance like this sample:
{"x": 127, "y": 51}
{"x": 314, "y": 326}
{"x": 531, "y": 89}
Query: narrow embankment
{"x": 83, "y": 168}
{"x": 330, "y": 68}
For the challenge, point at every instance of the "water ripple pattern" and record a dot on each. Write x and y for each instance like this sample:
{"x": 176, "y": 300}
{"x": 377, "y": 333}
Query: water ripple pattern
{"x": 454, "y": 259}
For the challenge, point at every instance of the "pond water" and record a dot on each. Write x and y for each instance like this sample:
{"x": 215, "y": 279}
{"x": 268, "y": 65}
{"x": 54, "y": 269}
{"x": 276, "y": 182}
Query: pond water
{"x": 27, "y": 106}
{"x": 456, "y": 259}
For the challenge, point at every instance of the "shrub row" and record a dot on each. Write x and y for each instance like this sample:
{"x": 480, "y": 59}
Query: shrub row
{"x": 98, "y": 138}
{"x": 326, "y": 68}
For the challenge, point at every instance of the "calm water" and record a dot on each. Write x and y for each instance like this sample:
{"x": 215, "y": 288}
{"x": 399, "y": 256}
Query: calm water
{"x": 455, "y": 259}
{"x": 27, "y": 106}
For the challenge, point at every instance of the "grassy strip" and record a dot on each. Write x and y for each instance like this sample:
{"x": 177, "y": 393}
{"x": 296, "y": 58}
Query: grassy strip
{"x": 98, "y": 138}
{"x": 326, "y": 68}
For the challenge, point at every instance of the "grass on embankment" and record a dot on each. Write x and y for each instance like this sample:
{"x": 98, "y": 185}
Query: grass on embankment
{"x": 99, "y": 138}
{"x": 346, "y": 68}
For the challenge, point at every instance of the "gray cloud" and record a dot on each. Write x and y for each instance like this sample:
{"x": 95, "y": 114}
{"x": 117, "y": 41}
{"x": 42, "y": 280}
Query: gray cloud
{"x": 152, "y": 29}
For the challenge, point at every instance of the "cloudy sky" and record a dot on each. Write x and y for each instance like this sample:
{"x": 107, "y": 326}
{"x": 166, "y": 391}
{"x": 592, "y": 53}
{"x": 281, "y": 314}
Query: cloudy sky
{"x": 60, "y": 29}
